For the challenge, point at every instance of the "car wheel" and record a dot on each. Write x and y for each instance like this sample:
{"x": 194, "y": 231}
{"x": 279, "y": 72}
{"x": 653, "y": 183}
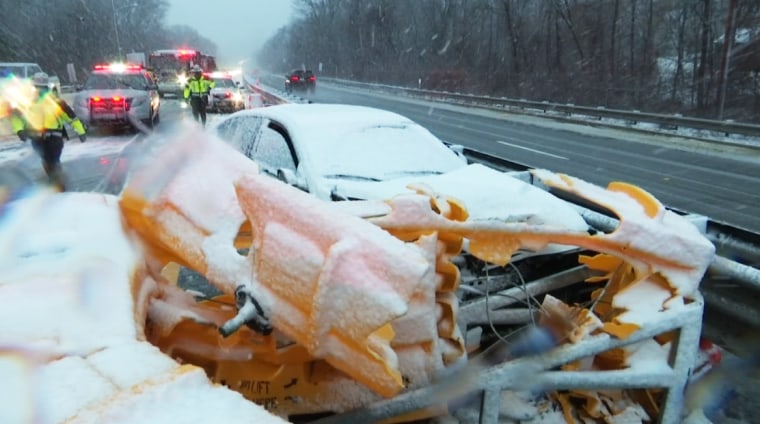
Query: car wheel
{"x": 150, "y": 120}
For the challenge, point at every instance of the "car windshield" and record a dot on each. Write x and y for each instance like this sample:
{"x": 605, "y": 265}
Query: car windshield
{"x": 115, "y": 81}
{"x": 382, "y": 152}
{"x": 224, "y": 83}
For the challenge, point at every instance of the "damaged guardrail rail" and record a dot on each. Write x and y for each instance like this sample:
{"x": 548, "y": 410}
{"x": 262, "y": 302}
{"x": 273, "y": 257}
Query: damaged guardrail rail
{"x": 735, "y": 265}
{"x": 482, "y": 390}
{"x": 726, "y": 127}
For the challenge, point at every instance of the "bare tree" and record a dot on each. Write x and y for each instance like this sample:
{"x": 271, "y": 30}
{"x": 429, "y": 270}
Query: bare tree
{"x": 594, "y": 52}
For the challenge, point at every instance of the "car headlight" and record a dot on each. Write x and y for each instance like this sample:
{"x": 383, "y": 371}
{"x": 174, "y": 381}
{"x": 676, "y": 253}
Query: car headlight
{"x": 237, "y": 97}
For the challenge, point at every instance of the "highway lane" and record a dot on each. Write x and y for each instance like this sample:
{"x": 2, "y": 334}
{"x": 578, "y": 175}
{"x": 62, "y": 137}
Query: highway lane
{"x": 683, "y": 174}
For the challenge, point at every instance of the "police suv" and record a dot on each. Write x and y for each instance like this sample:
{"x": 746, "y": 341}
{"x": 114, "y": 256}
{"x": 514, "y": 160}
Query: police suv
{"x": 118, "y": 95}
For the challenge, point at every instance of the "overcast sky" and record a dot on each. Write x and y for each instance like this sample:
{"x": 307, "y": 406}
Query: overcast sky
{"x": 238, "y": 27}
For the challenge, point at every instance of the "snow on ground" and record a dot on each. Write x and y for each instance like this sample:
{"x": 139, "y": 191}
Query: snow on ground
{"x": 73, "y": 149}
{"x": 95, "y": 146}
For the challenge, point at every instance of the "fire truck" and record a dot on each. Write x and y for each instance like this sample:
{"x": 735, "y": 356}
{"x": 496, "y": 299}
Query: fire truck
{"x": 170, "y": 67}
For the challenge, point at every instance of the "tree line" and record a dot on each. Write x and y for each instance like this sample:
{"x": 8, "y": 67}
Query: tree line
{"x": 86, "y": 32}
{"x": 654, "y": 55}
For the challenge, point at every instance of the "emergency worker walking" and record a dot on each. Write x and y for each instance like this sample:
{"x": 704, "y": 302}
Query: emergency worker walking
{"x": 42, "y": 122}
{"x": 197, "y": 91}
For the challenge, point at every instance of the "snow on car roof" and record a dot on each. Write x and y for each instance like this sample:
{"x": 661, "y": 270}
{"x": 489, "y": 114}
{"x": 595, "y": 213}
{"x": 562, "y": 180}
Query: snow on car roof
{"x": 324, "y": 136}
{"x": 326, "y": 116}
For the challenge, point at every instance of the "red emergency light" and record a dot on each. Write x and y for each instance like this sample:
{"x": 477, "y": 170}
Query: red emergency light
{"x": 117, "y": 67}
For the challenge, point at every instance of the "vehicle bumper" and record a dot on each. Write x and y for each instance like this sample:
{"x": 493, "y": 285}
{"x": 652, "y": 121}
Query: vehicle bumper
{"x": 113, "y": 117}
{"x": 226, "y": 104}
{"x": 170, "y": 88}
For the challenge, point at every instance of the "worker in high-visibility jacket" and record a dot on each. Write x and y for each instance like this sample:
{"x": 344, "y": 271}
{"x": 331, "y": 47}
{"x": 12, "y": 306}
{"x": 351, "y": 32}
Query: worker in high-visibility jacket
{"x": 196, "y": 92}
{"x": 41, "y": 121}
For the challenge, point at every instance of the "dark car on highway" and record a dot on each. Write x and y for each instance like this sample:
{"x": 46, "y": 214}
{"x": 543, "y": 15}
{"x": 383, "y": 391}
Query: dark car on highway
{"x": 300, "y": 80}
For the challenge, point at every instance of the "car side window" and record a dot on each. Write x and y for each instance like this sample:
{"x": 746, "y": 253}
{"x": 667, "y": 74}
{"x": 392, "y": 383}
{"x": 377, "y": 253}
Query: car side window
{"x": 241, "y": 132}
{"x": 273, "y": 150}
{"x": 226, "y": 128}
{"x": 148, "y": 84}
{"x": 33, "y": 69}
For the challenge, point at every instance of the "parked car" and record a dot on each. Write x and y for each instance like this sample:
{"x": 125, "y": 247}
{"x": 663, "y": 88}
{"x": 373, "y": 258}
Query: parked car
{"x": 300, "y": 80}
{"x": 118, "y": 95}
{"x": 226, "y": 96}
{"x": 25, "y": 70}
{"x": 345, "y": 152}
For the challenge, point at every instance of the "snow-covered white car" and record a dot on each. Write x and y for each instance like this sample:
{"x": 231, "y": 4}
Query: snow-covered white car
{"x": 345, "y": 152}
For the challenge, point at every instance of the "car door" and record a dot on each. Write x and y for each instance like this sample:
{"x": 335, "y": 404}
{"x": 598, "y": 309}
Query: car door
{"x": 241, "y": 132}
{"x": 263, "y": 141}
{"x": 152, "y": 88}
{"x": 274, "y": 151}
{"x": 31, "y": 70}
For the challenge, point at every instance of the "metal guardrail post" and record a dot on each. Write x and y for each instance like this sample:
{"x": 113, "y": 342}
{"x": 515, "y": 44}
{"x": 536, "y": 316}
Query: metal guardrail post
{"x": 535, "y": 372}
{"x": 489, "y": 410}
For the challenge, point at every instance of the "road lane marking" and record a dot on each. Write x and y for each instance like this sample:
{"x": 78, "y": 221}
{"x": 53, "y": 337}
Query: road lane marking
{"x": 532, "y": 150}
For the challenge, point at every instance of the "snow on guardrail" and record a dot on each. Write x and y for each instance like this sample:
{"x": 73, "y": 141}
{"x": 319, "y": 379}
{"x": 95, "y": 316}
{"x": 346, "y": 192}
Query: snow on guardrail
{"x": 269, "y": 94}
{"x": 740, "y": 134}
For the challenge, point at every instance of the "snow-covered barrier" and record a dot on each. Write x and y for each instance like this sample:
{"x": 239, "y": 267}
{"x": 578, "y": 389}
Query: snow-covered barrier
{"x": 264, "y": 95}
{"x": 327, "y": 307}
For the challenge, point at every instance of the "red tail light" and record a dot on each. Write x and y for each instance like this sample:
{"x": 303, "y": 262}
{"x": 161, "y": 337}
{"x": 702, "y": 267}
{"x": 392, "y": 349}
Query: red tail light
{"x": 294, "y": 78}
{"x": 115, "y": 101}
{"x": 228, "y": 94}
{"x": 312, "y": 78}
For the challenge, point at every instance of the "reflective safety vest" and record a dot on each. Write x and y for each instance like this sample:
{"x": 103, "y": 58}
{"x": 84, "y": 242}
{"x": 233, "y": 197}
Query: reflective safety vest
{"x": 44, "y": 115}
{"x": 198, "y": 86}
